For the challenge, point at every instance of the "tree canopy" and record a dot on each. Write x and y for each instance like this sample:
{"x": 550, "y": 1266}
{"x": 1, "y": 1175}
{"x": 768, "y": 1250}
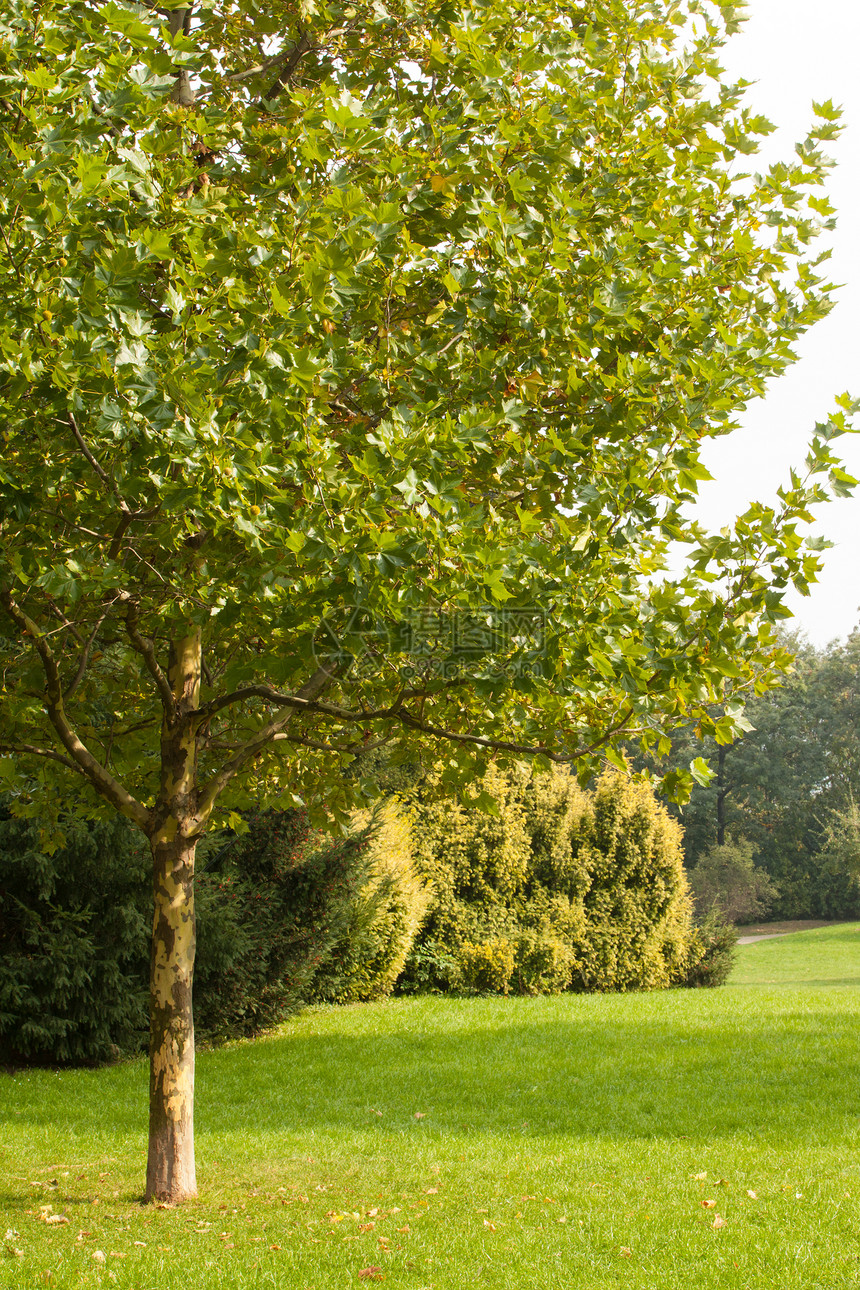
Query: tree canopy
{"x": 354, "y": 369}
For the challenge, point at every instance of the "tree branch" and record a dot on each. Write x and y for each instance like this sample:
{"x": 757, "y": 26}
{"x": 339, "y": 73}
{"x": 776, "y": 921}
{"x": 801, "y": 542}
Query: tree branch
{"x": 97, "y": 467}
{"x": 146, "y": 649}
{"x": 85, "y": 659}
{"x": 291, "y": 61}
{"x": 303, "y": 700}
{"x": 31, "y": 750}
{"x": 99, "y": 777}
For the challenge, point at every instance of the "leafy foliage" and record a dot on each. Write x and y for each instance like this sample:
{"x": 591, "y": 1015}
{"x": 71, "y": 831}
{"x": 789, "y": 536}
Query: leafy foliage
{"x": 582, "y": 890}
{"x": 486, "y": 968}
{"x": 425, "y": 314}
{"x": 272, "y": 907}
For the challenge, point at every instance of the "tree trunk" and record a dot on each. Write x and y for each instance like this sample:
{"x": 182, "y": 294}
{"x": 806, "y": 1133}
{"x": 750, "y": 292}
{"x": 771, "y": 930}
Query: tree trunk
{"x": 722, "y": 793}
{"x": 170, "y": 1173}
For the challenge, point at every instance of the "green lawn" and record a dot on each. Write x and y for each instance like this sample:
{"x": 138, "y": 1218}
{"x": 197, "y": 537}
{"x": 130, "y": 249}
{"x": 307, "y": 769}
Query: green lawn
{"x": 525, "y": 1143}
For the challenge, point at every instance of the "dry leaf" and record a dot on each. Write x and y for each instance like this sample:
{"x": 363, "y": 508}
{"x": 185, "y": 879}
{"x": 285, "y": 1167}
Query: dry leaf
{"x": 626, "y": 1252}
{"x": 718, "y": 1222}
{"x": 56, "y": 1218}
{"x": 366, "y": 1227}
{"x": 274, "y": 1247}
{"x": 420, "y": 1115}
{"x": 709, "y": 1204}
{"x": 98, "y": 1256}
{"x": 700, "y": 1177}
{"x": 432, "y": 1191}
{"x": 752, "y": 1195}
{"x": 490, "y": 1225}
{"x": 371, "y": 1274}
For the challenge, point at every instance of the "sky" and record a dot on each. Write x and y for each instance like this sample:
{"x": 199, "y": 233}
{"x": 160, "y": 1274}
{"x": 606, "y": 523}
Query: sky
{"x": 797, "y": 52}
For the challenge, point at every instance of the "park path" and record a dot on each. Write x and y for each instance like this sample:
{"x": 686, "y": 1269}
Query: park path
{"x": 785, "y": 929}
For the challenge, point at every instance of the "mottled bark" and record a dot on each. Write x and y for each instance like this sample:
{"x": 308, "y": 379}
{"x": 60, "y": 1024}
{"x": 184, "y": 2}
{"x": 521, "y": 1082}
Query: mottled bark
{"x": 170, "y": 1173}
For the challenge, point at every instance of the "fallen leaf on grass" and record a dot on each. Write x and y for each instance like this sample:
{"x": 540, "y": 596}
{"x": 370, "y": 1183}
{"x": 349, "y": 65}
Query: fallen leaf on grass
{"x": 56, "y": 1218}
{"x": 371, "y": 1274}
{"x": 718, "y": 1222}
{"x": 709, "y": 1204}
{"x": 699, "y": 1177}
{"x": 490, "y": 1225}
{"x": 366, "y": 1227}
{"x": 626, "y": 1252}
{"x": 98, "y": 1256}
{"x": 420, "y": 1115}
{"x": 432, "y": 1191}
{"x": 274, "y": 1247}
{"x": 752, "y": 1195}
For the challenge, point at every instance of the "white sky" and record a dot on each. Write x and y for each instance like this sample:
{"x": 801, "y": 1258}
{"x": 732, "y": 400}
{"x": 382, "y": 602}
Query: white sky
{"x": 796, "y": 53}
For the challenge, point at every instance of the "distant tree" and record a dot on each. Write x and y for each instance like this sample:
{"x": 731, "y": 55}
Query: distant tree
{"x": 355, "y": 361}
{"x": 726, "y": 879}
{"x": 786, "y": 782}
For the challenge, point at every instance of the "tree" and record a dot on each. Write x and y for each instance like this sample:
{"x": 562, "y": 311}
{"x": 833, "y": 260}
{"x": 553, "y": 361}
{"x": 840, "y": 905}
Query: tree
{"x": 355, "y": 365}
{"x": 782, "y": 783}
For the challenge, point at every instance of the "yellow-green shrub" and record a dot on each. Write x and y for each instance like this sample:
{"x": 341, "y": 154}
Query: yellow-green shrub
{"x": 587, "y": 886}
{"x": 487, "y": 967}
{"x": 384, "y": 918}
{"x": 542, "y": 964}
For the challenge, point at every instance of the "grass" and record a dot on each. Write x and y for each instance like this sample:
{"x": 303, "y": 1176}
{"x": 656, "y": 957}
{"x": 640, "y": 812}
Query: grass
{"x": 522, "y": 1144}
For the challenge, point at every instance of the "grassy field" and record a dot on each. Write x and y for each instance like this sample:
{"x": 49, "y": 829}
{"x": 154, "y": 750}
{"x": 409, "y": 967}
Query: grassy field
{"x": 652, "y": 1142}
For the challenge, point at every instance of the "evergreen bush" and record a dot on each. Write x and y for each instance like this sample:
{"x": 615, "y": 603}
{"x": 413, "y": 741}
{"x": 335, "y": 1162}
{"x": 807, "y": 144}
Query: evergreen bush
{"x": 285, "y": 915}
{"x": 712, "y": 952}
{"x": 74, "y": 943}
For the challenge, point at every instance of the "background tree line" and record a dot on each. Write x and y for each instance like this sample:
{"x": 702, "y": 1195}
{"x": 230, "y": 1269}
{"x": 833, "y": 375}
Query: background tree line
{"x": 783, "y": 797}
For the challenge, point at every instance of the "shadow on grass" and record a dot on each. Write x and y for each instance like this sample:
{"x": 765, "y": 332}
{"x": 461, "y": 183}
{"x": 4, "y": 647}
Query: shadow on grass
{"x": 575, "y": 1072}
